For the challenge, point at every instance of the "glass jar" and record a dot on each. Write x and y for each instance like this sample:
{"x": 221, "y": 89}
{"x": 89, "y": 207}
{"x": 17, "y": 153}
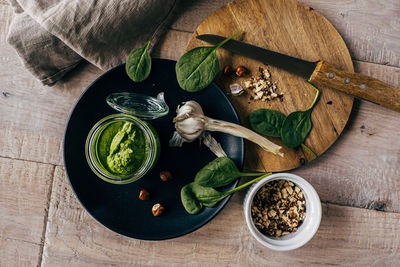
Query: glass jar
{"x": 134, "y": 135}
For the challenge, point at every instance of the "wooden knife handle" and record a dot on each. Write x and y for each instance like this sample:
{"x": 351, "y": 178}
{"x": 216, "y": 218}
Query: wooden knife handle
{"x": 357, "y": 85}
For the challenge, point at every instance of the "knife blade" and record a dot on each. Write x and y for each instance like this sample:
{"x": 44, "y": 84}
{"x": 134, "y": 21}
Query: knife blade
{"x": 319, "y": 73}
{"x": 294, "y": 65}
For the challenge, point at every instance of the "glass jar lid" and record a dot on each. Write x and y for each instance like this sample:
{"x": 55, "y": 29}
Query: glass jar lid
{"x": 142, "y": 106}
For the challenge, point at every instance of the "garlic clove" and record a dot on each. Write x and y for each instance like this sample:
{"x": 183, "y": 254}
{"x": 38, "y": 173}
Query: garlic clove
{"x": 236, "y": 89}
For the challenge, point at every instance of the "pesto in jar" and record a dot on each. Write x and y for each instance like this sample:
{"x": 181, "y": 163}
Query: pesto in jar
{"x": 122, "y": 148}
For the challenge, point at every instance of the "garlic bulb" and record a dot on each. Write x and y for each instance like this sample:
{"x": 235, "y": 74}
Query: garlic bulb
{"x": 190, "y": 122}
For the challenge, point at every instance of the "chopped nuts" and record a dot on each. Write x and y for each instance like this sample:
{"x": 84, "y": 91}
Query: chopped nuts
{"x": 262, "y": 86}
{"x": 157, "y": 209}
{"x": 144, "y": 194}
{"x": 283, "y": 208}
{"x": 241, "y": 71}
{"x": 166, "y": 176}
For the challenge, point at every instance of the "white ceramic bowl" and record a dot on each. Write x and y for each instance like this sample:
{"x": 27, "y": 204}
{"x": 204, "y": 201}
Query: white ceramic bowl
{"x": 305, "y": 232}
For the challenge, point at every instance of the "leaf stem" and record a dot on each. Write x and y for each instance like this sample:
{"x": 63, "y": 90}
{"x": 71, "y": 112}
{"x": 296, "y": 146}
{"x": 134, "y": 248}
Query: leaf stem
{"x": 244, "y": 185}
{"x": 316, "y": 96}
{"x": 226, "y": 40}
{"x": 309, "y": 150}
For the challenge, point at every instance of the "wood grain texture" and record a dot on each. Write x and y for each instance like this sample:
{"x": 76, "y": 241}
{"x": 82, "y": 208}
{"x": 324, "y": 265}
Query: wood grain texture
{"x": 300, "y": 32}
{"x": 18, "y": 253}
{"x": 357, "y": 85}
{"x": 36, "y": 115}
{"x": 24, "y": 193}
{"x": 346, "y": 235}
{"x": 371, "y": 29}
{"x": 6, "y": 16}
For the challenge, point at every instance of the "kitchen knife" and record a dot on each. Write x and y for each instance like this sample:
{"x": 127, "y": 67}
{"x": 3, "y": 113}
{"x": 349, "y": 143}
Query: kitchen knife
{"x": 319, "y": 73}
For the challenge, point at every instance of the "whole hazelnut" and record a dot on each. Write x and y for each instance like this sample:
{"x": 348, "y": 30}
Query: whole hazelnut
{"x": 144, "y": 194}
{"x": 166, "y": 176}
{"x": 157, "y": 209}
{"x": 240, "y": 71}
{"x": 228, "y": 70}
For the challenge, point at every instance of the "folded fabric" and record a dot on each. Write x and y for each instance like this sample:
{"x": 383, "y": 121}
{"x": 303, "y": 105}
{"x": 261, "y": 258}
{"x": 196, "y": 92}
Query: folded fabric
{"x": 53, "y": 36}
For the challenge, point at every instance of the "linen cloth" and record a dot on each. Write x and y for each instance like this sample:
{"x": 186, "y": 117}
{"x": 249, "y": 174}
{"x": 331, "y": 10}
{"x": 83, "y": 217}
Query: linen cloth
{"x": 53, "y": 36}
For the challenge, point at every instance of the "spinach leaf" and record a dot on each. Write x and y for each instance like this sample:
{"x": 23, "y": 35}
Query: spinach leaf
{"x": 295, "y": 128}
{"x": 297, "y": 125}
{"x": 198, "y": 67}
{"x": 207, "y": 196}
{"x": 194, "y": 196}
{"x": 267, "y": 121}
{"x": 218, "y": 172}
{"x": 189, "y": 200}
{"x": 138, "y": 63}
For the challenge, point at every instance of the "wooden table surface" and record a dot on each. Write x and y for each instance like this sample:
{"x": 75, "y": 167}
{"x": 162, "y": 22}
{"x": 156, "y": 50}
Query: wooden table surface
{"x": 358, "y": 179}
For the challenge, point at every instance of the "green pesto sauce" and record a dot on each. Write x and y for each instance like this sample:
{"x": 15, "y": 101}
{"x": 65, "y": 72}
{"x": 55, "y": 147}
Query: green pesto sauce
{"x": 122, "y": 148}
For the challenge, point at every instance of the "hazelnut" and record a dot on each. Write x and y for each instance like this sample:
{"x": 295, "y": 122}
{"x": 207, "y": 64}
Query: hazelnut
{"x": 240, "y": 71}
{"x": 157, "y": 209}
{"x": 165, "y": 176}
{"x": 227, "y": 70}
{"x": 144, "y": 194}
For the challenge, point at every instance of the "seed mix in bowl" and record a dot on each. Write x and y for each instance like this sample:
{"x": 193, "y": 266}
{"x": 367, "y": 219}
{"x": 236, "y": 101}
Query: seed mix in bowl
{"x": 278, "y": 208}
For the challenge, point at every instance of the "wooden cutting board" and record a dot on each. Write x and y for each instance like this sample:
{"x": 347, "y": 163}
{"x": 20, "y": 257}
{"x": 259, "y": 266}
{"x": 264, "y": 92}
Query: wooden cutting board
{"x": 288, "y": 27}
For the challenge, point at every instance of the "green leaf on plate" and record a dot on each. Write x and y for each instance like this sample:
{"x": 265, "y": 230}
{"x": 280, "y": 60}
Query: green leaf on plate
{"x": 138, "y": 63}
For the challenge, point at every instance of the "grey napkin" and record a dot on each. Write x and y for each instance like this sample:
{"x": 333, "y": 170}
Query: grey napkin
{"x": 53, "y": 36}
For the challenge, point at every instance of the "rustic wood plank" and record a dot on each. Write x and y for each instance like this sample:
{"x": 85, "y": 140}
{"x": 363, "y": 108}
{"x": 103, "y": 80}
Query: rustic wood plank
{"x": 6, "y": 15}
{"x": 24, "y": 193}
{"x": 36, "y": 115}
{"x": 18, "y": 253}
{"x": 346, "y": 235}
{"x": 371, "y": 29}
{"x": 390, "y": 75}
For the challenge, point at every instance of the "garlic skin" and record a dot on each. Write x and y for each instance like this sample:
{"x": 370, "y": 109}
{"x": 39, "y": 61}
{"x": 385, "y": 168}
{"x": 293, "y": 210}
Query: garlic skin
{"x": 236, "y": 89}
{"x": 190, "y": 123}
{"x": 213, "y": 145}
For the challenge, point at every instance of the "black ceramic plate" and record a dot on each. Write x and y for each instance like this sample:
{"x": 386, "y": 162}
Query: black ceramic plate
{"x": 118, "y": 206}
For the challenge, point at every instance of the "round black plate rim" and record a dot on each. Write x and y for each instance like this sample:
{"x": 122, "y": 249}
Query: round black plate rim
{"x": 192, "y": 228}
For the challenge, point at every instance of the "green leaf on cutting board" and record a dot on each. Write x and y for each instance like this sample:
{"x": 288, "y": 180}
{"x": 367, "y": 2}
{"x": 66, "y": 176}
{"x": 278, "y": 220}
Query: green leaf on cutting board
{"x": 197, "y": 68}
